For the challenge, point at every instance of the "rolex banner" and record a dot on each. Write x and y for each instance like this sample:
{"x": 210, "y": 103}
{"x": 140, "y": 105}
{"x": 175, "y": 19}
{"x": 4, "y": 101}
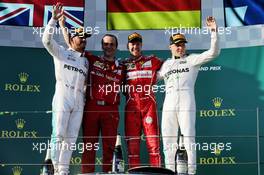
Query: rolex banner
{"x": 229, "y": 117}
{"x": 135, "y": 14}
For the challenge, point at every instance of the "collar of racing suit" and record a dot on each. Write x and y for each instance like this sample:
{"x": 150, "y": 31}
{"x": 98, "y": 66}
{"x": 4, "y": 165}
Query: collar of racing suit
{"x": 136, "y": 59}
{"x": 79, "y": 54}
{"x": 115, "y": 60}
{"x": 176, "y": 57}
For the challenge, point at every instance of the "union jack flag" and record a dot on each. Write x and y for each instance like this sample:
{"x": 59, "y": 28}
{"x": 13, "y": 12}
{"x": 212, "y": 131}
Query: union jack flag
{"x": 36, "y": 13}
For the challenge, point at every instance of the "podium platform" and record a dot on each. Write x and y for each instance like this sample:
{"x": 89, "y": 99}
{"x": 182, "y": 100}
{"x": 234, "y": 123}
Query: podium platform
{"x": 141, "y": 170}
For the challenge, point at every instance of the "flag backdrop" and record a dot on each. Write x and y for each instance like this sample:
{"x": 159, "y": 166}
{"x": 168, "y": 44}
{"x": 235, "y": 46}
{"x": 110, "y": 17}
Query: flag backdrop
{"x": 37, "y": 13}
{"x": 152, "y": 14}
{"x": 243, "y": 12}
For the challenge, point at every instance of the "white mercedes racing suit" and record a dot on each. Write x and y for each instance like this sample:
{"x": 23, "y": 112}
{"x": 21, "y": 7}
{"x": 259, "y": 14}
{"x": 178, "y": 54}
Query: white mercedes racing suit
{"x": 68, "y": 101}
{"x": 179, "y": 109}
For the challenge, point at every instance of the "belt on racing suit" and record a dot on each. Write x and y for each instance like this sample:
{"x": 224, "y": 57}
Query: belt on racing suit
{"x": 100, "y": 102}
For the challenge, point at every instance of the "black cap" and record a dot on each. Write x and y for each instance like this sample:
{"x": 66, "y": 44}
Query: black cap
{"x": 80, "y": 33}
{"x": 177, "y": 38}
{"x": 134, "y": 37}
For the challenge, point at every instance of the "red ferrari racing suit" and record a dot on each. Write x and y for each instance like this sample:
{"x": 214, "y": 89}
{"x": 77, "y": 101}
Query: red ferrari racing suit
{"x": 101, "y": 110}
{"x": 141, "y": 112}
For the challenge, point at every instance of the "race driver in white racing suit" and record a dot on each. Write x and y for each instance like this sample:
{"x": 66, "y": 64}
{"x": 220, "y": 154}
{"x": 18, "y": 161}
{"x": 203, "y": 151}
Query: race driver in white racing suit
{"x": 71, "y": 69}
{"x": 179, "y": 109}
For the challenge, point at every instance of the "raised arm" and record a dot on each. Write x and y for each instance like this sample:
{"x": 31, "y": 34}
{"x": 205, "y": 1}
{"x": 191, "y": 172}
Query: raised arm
{"x": 64, "y": 29}
{"x": 49, "y": 43}
{"x": 214, "y": 50}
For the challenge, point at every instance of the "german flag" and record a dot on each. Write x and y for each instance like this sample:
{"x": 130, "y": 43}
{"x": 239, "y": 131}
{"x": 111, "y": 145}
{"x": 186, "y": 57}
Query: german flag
{"x": 152, "y": 14}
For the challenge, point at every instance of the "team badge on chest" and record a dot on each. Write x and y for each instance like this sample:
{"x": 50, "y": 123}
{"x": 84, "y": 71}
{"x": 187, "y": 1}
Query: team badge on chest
{"x": 99, "y": 64}
{"x": 130, "y": 66}
{"x": 146, "y": 64}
